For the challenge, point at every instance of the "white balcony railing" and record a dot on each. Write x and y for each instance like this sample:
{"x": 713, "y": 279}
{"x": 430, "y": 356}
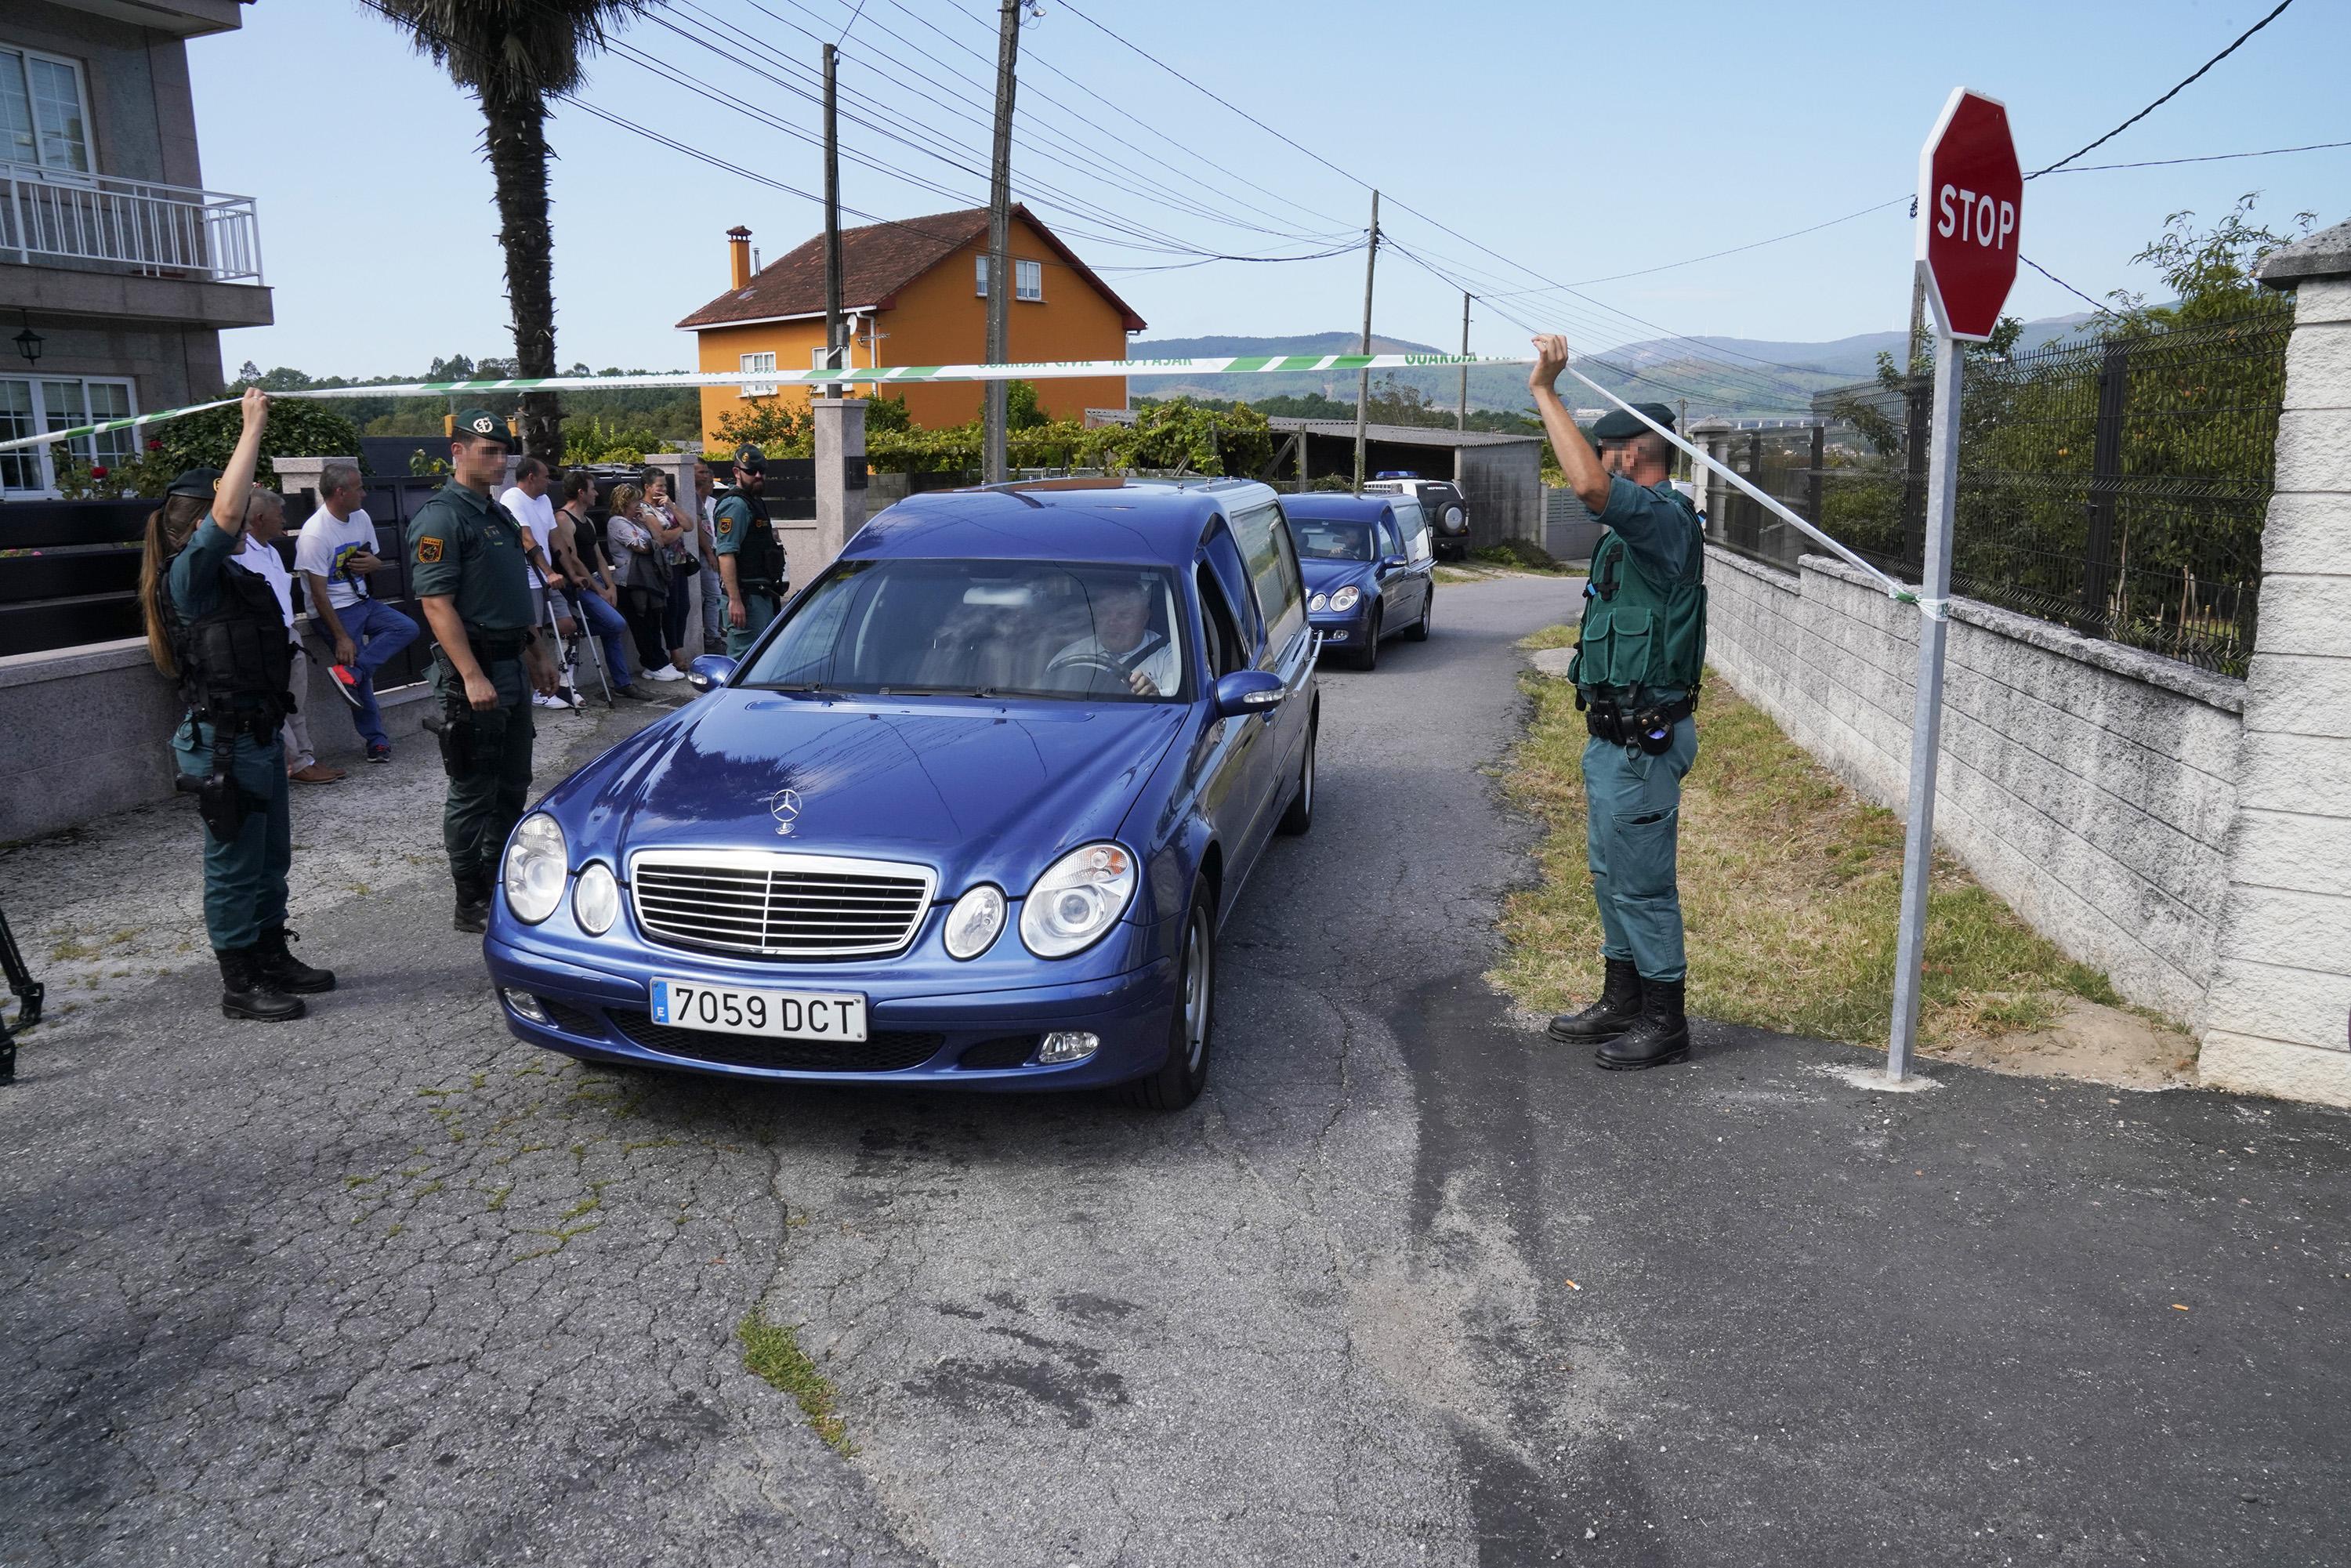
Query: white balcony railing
{"x": 59, "y": 219}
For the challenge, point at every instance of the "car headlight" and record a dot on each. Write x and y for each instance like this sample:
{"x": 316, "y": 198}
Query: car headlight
{"x": 596, "y": 899}
{"x": 976, "y": 920}
{"x": 1346, "y": 597}
{"x": 536, "y": 861}
{"x": 1079, "y": 898}
{"x": 1320, "y": 603}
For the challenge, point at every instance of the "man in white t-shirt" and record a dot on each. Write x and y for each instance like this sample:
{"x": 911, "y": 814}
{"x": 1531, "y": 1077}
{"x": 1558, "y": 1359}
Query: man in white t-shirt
{"x": 265, "y": 525}
{"x": 528, "y": 499}
{"x": 335, "y": 553}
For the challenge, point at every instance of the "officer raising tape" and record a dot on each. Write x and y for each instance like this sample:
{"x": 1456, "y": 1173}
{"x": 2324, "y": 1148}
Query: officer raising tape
{"x": 468, "y": 568}
{"x": 750, "y": 559}
{"x": 1636, "y": 670}
{"x": 218, "y": 630}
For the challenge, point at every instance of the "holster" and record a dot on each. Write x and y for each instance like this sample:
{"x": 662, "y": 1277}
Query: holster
{"x": 454, "y": 728}
{"x": 221, "y": 800}
{"x": 1650, "y": 727}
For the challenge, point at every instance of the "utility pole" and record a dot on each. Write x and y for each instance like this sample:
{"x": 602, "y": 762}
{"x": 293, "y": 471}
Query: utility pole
{"x": 1462, "y": 413}
{"x": 1914, "y": 362}
{"x": 832, "y": 355}
{"x": 1364, "y": 377}
{"x": 993, "y": 469}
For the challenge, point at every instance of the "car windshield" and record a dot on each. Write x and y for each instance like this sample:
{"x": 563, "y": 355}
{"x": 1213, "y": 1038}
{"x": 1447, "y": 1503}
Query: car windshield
{"x": 1321, "y": 538}
{"x": 983, "y": 628}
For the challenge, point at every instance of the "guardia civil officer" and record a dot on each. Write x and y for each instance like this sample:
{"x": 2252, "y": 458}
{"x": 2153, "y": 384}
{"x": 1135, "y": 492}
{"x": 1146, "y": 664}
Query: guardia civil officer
{"x": 219, "y": 630}
{"x": 469, "y": 567}
{"x": 750, "y": 558}
{"x": 1636, "y": 671}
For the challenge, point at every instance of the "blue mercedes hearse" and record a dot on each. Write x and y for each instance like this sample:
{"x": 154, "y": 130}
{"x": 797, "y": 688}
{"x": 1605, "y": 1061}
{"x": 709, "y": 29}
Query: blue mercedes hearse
{"x": 971, "y": 813}
{"x": 1370, "y": 573}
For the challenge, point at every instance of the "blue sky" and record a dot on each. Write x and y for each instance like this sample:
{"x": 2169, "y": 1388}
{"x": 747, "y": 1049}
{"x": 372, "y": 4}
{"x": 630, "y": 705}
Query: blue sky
{"x": 1578, "y": 141}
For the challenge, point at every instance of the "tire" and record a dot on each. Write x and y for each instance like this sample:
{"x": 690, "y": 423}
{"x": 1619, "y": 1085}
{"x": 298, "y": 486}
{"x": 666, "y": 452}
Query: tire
{"x": 1191, "y": 1025}
{"x": 1418, "y": 630}
{"x": 1300, "y": 815}
{"x": 1367, "y": 657}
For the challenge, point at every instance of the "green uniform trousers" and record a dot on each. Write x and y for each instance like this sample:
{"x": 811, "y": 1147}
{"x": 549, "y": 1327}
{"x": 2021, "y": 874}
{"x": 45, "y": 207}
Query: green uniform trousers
{"x": 759, "y": 609}
{"x": 1632, "y": 818}
{"x": 486, "y": 800}
{"x": 244, "y": 877}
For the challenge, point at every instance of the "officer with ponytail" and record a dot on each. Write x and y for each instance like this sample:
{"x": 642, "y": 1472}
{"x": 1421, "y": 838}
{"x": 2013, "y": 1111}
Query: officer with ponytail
{"x": 219, "y": 630}
{"x": 1636, "y": 669}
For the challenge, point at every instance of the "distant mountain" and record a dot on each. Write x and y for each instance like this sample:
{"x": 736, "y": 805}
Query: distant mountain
{"x": 1738, "y": 376}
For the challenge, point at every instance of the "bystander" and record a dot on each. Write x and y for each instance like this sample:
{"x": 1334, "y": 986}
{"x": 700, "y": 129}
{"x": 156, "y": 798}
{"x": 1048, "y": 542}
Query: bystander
{"x": 335, "y": 553}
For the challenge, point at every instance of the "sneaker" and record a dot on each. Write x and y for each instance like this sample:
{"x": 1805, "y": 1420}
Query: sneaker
{"x": 315, "y": 773}
{"x": 347, "y": 683}
{"x": 632, "y": 694}
{"x": 539, "y": 699}
{"x": 379, "y": 754}
{"x": 663, "y": 672}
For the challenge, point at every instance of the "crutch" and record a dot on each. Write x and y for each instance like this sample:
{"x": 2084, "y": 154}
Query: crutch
{"x": 582, "y": 631}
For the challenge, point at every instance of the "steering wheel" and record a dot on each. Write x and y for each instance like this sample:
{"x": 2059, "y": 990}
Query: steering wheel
{"x": 1107, "y": 664}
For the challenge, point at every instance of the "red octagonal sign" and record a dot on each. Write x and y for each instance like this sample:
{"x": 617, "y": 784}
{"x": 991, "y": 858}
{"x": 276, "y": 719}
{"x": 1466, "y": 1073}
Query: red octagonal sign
{"x": 1970, "y": 202}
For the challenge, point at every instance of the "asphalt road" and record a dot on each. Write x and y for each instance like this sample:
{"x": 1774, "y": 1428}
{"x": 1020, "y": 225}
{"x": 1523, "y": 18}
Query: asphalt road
{"x": 385, "y": 1286}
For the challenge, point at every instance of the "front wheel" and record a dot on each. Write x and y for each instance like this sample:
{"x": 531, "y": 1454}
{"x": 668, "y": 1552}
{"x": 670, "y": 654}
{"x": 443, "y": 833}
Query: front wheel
{"x": 1367, "y": 657}
{"x": 1300, "y": 815}
{"x": 1182, "y": 1076}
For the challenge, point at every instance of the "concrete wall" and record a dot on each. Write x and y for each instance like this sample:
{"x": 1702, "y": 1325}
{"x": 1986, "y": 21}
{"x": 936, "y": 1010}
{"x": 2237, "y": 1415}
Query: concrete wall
{"x": 2280, "y": 1009}
{"x": 87, "y": 731}
{"x": 1503, "y": 485}
{"x": 2092, "y": 786}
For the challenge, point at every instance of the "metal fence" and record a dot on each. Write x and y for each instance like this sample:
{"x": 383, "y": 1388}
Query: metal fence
{"x": 2116, "y": 486}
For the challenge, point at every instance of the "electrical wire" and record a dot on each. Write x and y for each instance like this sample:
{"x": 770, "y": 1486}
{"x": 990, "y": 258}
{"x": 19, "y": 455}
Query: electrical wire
{"x": 2101, "y": 310}
{"x": 2207, "y": 158}
{"x": 2167, "y": 97}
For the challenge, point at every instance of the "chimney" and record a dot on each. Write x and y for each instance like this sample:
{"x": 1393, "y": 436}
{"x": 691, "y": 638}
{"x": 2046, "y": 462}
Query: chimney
{"x": 738, "y": 256}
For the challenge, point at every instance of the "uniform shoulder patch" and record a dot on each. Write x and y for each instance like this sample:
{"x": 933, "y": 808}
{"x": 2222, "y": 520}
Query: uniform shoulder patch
{"x": 428, "y": 549}
{"x": 725, "y": 524}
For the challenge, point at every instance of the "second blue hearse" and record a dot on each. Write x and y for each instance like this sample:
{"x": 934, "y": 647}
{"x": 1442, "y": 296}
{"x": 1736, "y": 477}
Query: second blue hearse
{"x": 971, "y": 813}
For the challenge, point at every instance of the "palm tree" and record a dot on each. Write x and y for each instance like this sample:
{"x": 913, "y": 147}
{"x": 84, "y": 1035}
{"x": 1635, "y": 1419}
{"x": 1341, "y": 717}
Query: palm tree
{"x": 512, "y": 56}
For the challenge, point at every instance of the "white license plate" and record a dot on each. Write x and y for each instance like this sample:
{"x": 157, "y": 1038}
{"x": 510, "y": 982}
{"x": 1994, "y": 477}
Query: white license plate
{"x": 786, "y": 1015}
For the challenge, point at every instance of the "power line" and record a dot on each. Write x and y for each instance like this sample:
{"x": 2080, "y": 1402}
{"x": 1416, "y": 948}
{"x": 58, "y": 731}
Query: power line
{"x": 2167, "y": 97}
{"x": 2103, "y": 311}
{"x": 2207, "y": 158}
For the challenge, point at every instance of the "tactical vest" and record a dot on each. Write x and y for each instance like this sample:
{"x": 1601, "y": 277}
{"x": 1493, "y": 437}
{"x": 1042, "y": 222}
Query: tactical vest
{"x": 236, "y": 661}
{"x": 758, "y": 557}
{"x": 1639, "y": 637}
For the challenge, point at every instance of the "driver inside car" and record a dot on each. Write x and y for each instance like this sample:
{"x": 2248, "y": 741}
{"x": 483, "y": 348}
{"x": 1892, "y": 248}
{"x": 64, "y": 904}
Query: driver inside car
{"x": 1122, "y": 648}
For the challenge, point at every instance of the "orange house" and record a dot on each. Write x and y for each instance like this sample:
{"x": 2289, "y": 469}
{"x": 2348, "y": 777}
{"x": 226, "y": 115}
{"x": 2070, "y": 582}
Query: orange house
{"x": 914, "y": 293}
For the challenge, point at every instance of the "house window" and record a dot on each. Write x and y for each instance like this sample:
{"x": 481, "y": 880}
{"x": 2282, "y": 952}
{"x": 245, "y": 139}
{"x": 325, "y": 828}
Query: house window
{"x": 44, "y": 119}
{"x": 1028, "y": 278}
{"x": 30, "y": 407}
{"x": 753, "y": 364}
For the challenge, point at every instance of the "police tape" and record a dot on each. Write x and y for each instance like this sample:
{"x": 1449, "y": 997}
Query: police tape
{"x": 1046, "y": 370}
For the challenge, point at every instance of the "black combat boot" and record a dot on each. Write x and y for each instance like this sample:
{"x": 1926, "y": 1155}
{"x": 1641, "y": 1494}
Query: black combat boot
{"x": 1611, "y": 1015}
{"x": 248, "y": 993}
{"x": 473, "y": 908}
{"x": 1661, "y": 1034}
{"x": 275, "y": 964}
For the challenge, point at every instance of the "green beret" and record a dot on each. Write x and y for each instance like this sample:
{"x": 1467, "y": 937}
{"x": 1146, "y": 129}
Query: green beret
{"x": 1618, "y": 425}
{"x": 476, "y": 423}
{"x": 201, "y": 482}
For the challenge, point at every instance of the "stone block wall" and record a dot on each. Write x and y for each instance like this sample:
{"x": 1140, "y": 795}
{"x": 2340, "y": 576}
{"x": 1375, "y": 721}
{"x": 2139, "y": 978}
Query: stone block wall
{"x": 2092, "y": 786}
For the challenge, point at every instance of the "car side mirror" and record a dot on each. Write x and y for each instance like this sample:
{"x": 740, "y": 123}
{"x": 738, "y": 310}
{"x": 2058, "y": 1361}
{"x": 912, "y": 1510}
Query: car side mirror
{"x": 1392, "y": 563}
{"x": 709, "y": 671}
{"x": 1245, "y": 692}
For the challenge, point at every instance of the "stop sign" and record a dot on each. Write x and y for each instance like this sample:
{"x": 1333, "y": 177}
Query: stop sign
{"x": 1970, "y": 197}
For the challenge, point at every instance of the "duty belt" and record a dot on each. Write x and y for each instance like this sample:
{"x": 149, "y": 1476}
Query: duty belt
{"x": 488, "y": 644}
{"x": 1650, "y": 727}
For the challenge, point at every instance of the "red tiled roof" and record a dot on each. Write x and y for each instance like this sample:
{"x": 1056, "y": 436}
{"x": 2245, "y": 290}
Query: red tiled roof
{"x": 876, "y": 262}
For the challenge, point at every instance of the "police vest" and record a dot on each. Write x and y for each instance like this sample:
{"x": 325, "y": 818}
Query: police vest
{"x": 236, "y": 660}
{"x": 1639, "y": 636}
{"x": 758, "y": 557}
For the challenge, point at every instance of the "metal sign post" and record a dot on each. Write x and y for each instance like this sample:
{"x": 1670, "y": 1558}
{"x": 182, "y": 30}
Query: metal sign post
{"x": 1970, "y": 206}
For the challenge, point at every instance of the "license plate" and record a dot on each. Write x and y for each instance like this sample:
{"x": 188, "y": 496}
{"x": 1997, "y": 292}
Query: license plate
{"x": 784, "y": 1015}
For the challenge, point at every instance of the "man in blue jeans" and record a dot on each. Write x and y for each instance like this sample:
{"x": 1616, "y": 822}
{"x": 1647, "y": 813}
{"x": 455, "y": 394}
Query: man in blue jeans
{"x": 335, "y": 553}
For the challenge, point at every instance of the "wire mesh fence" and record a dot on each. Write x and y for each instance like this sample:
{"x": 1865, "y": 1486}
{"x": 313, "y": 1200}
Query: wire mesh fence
{"x": 2116, "y": 486}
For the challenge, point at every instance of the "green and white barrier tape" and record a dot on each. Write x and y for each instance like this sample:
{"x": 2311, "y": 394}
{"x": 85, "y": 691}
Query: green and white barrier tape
{"x": 1047, "y": 369}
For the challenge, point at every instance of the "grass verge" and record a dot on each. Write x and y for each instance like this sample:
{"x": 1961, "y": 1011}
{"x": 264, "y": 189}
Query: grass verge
{"x": 1790, "y": 885}
{"x": 772, "y": 1352}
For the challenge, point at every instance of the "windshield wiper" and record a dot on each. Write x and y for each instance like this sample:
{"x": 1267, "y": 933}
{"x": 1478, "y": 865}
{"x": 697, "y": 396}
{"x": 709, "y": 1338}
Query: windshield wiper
{"x": 808, "y": 688}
